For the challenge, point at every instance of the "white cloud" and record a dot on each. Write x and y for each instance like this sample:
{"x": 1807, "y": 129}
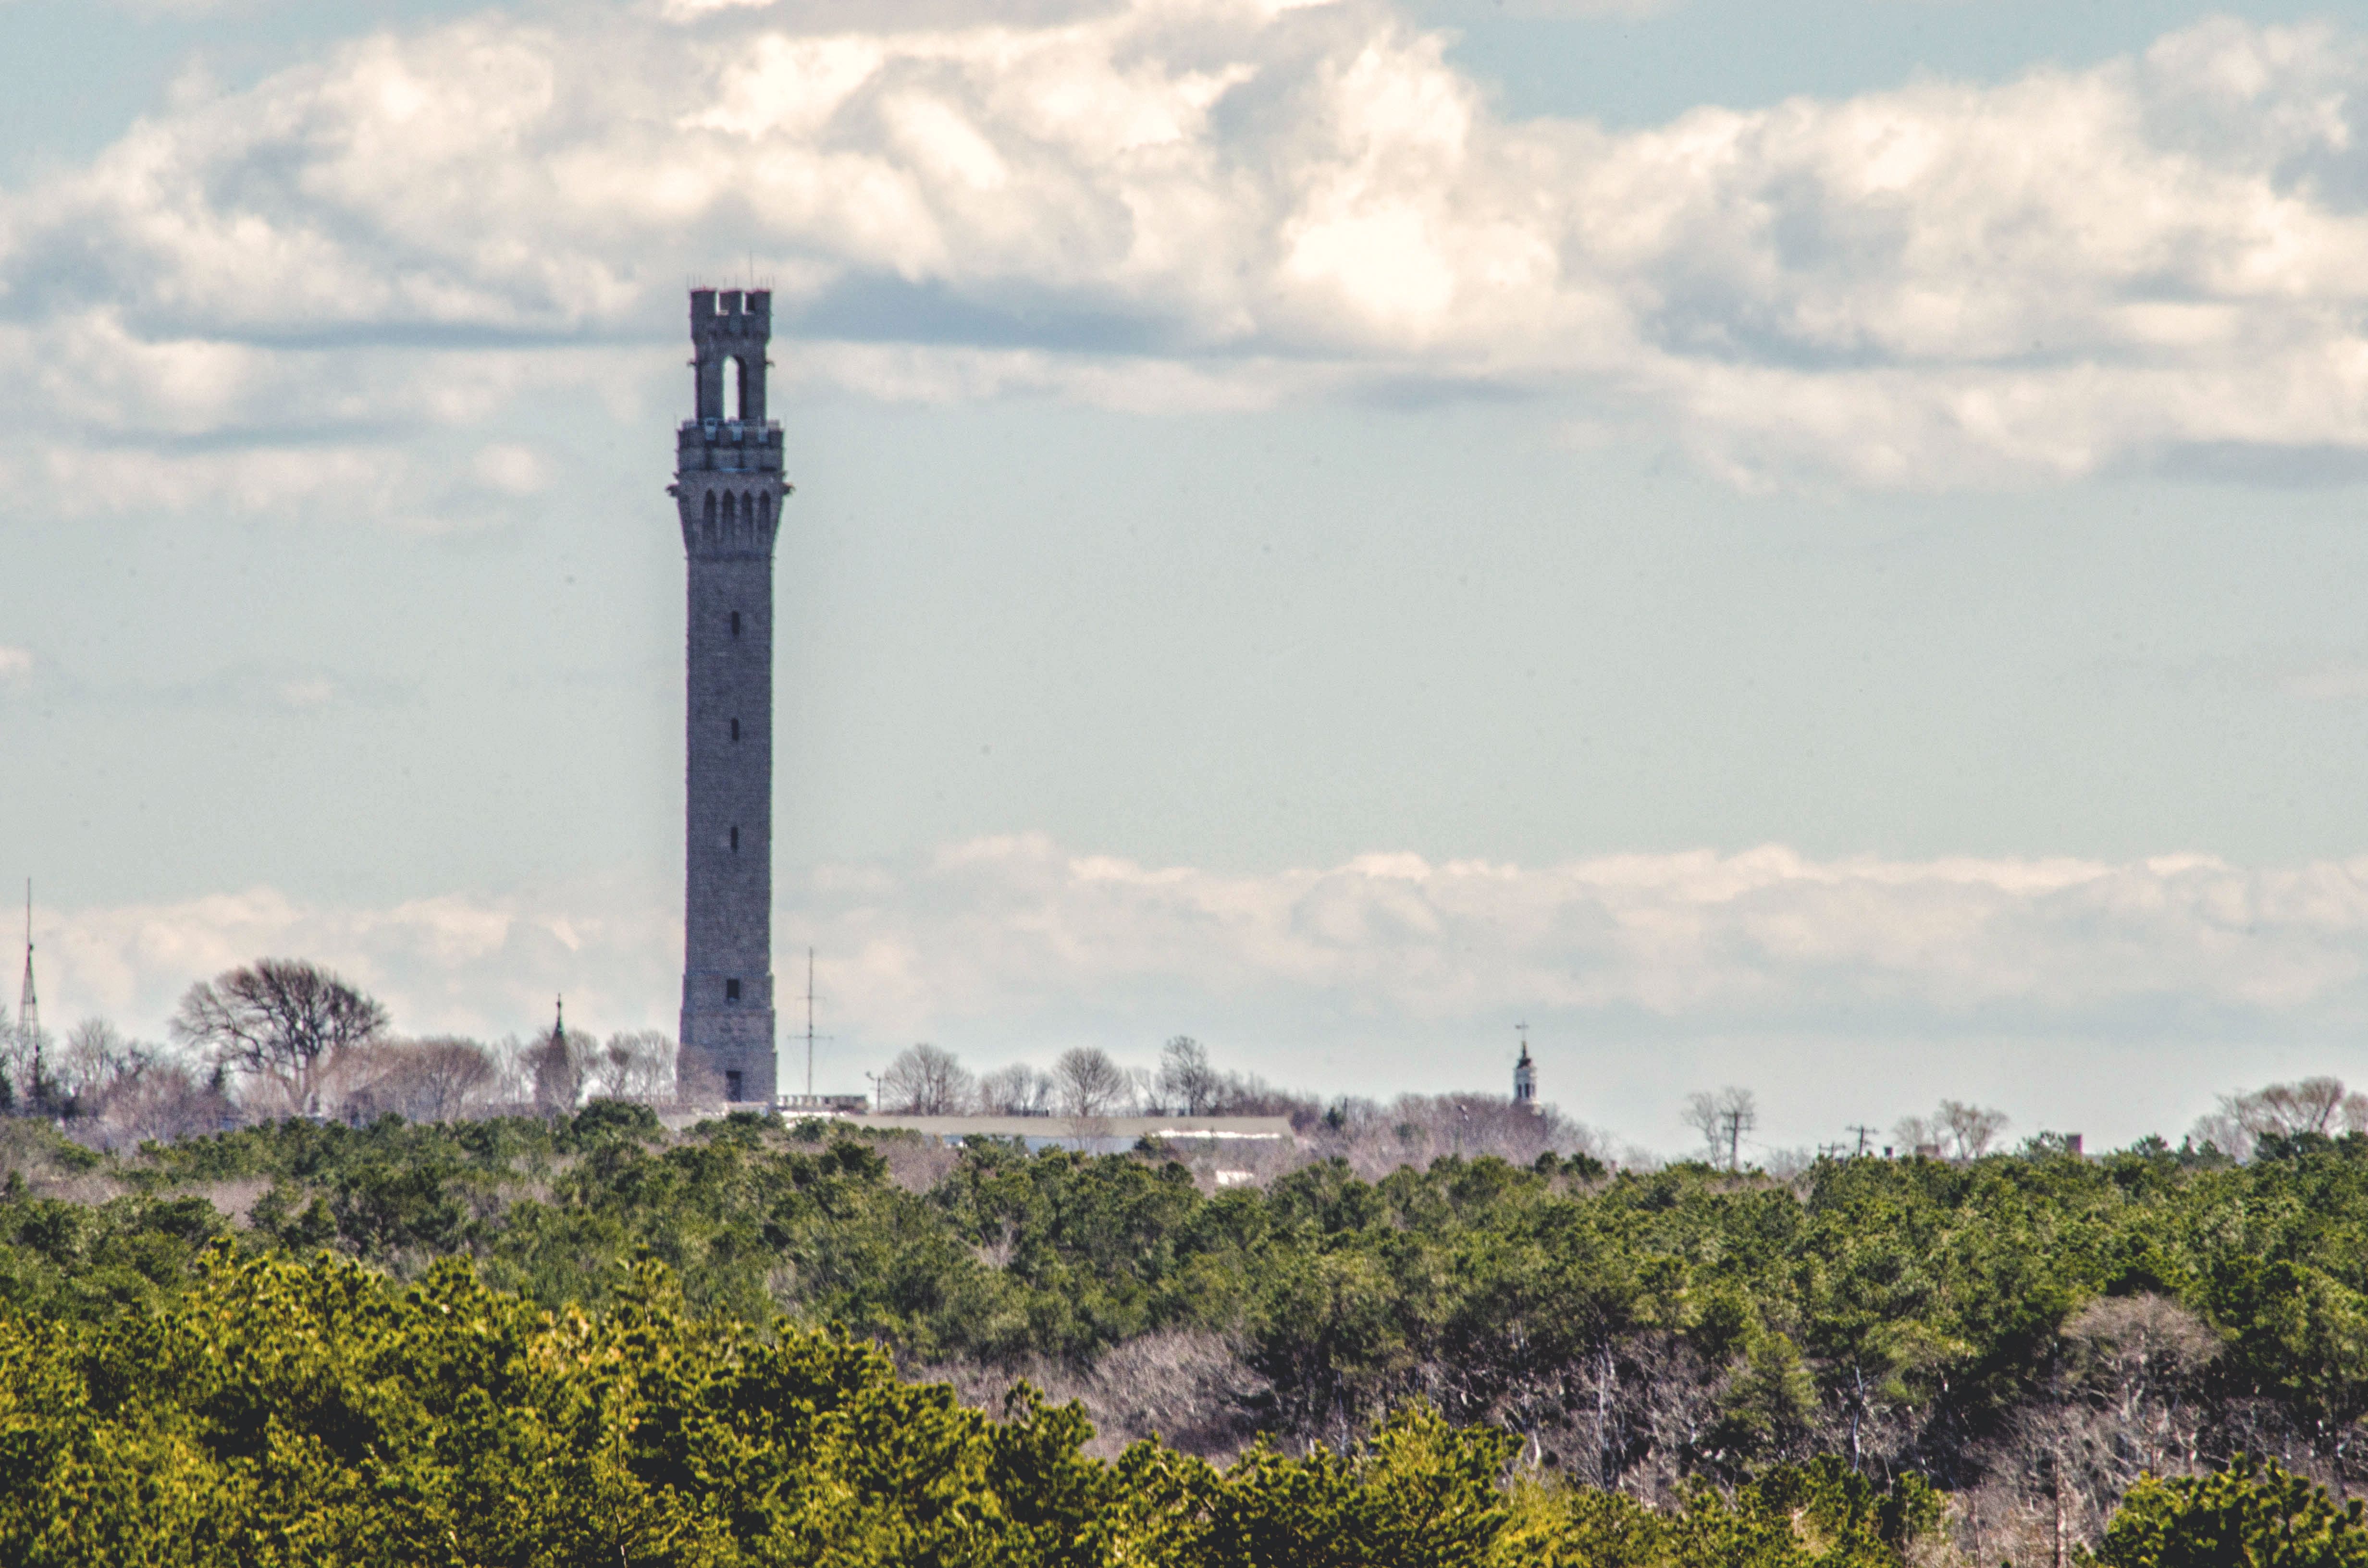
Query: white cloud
{"x": 2333, "y": 680}
{"x": 311, "y": 691}
{"x": 511, "y": 469}
{"x": 1199, "y": 202}
{"x": 1009, "y": 947}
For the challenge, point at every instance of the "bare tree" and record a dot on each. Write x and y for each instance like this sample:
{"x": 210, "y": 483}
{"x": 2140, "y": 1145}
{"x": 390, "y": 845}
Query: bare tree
{"x": 168, "y": 1099}
{"x": 1016, "y": 1090}
{"x": 1918, "y": 1135}
{"x": 2136, "y": 1360}
{"x": 2283, "y": 1110}
{"x": 2120, "y": 1400}
{"x": 452, "y": 1074}
{"x": 278, "y": 1018}
{"x": 1722, "y": 1119}
{"x": 438, "y": 1079}
{"x": 14, "y": 1062}
{"x": 29, "y": 1061}
{"x": 1415, "y": 1129}
{"x": 1088, "y": 1084}
{"x": 1971, "y": 1129}
{"x": 926, "y": 1080}
{"x": 97, "y": 1062}
{"x": 635, "y": 1065}
{"x": 2220, "y": 1130}
{"x": 1186, "y": 1080}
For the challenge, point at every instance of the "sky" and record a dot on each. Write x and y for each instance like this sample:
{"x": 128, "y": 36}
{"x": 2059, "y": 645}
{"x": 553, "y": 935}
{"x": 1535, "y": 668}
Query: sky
{"x": 1810, "y": 545}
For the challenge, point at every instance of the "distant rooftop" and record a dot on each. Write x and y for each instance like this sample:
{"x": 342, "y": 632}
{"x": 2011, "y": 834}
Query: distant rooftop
{"x": 1040, "y": 1129}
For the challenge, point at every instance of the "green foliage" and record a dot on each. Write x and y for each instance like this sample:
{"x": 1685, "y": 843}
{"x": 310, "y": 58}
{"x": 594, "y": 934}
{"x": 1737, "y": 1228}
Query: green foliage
{"x": 1819, "y": 1515}
{"x": 2252, "y": 1515}
{"x": 587, "y": 1340}
{"x": 1909, "y": 1297}
{"x": 303, "y": 1413}
{"x": 291, "y": 1413}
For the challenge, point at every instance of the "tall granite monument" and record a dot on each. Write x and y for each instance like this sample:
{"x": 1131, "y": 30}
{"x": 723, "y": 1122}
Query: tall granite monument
{"x": 728, "y": 489}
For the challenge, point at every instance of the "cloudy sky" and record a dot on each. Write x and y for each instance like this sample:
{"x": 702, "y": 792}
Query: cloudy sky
{"x": 1815, "y": 544}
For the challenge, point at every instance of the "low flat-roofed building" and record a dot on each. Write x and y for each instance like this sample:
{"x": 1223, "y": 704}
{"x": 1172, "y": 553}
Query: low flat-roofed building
{"x": 1097, "y": 1134}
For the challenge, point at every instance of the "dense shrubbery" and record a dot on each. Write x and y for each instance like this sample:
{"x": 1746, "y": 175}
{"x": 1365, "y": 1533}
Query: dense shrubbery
{"x": 283, "y": 1411}
{"x": 2031, "y": 1331}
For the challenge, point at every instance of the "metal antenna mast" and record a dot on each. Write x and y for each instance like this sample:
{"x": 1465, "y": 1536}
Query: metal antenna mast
{"x": 1864, "y": 1134}
{"x": 28, "y": 1006}
{"x": 811, "y": 1036}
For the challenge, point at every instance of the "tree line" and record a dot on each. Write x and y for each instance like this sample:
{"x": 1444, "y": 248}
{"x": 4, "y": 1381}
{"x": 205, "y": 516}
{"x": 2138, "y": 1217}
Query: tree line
{"x": 1085, "y": 1083}
{"x": 287, "y": 1037}
{"x": 2030, "y": 1332}
{"x": 282, "y": 1411}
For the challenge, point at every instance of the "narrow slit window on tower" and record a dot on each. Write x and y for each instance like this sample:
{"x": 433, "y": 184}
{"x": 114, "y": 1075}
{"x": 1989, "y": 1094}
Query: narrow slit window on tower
{"x": 735, "y": 836}
{"x": 732, "y": 991}
{"x": 735, "y": 729}
{"x": 735, "y": 623}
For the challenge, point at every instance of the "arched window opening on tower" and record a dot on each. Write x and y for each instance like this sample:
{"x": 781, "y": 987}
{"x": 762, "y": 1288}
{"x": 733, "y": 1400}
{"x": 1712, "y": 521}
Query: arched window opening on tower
{"x": 763, "y": 509}
{"x": 735, "y": 386}
{"x": 731, "y": 508}
{"x": 735, "y": 729}
{"x": 732, "y": 991}
{"x": 707, "y": 511}
{"x": 735, "y": 837}
{"x": 735, "y": 623}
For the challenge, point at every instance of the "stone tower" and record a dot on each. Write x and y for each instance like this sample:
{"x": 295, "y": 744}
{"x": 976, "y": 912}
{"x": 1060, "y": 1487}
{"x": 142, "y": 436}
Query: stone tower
{"x": 728, "y": 489}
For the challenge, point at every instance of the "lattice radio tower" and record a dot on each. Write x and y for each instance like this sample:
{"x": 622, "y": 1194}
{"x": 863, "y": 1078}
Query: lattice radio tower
{"x": 28, "y": 1006}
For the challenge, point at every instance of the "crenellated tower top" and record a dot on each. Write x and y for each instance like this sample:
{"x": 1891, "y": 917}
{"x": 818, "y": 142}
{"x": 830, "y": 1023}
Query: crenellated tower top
{"x": 730, "y": 330}
{"x": 728, "y": 482}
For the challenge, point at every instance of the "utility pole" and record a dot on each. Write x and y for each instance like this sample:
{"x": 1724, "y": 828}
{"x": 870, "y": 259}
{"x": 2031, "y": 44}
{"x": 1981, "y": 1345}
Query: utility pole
{"x": 1864, "y": 1134}
{"x": 1738, "y": 1119}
